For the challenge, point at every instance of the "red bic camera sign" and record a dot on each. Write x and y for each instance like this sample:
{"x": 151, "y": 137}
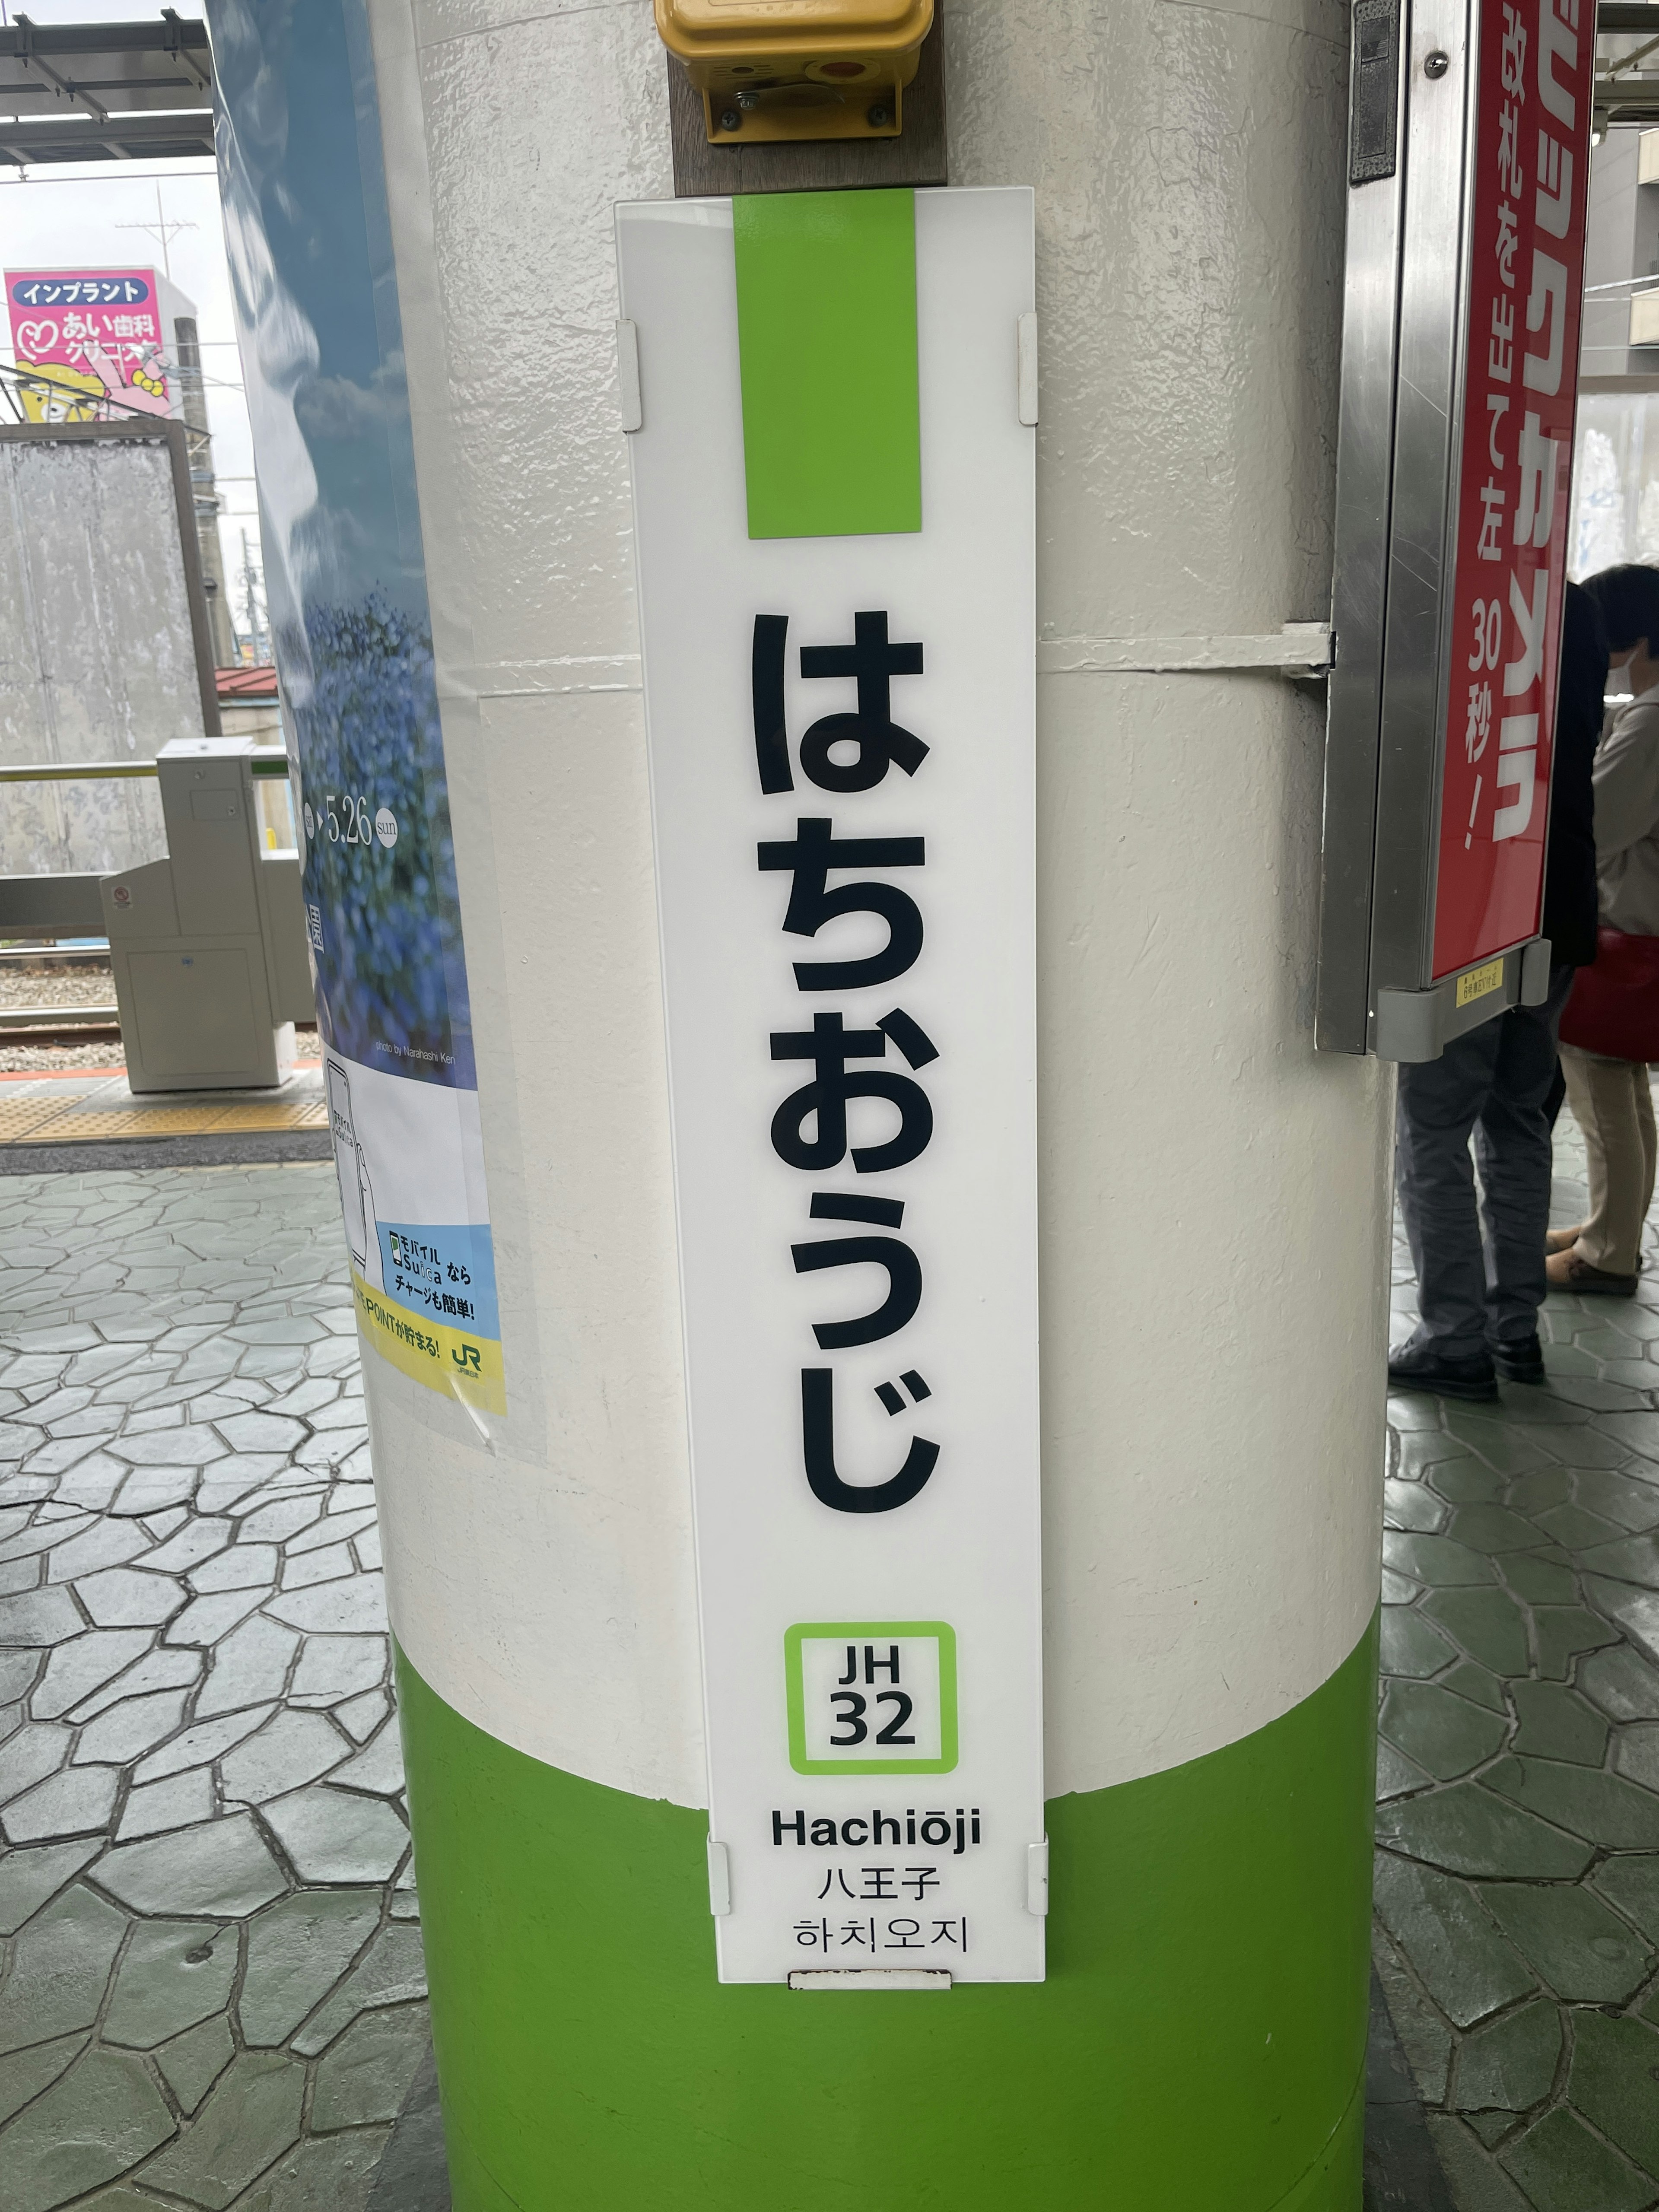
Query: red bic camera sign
{"x": 1530, "y": 182}
{"x": 841, "y": 738}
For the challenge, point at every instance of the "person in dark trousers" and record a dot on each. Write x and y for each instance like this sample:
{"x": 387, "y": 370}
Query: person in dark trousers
{"x": 1478, "y": 1293}
{"x": 1611, "y": 1099}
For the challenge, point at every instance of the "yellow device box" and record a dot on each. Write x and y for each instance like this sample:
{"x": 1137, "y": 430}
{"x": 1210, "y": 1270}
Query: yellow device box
{"x": 798, "y": 68}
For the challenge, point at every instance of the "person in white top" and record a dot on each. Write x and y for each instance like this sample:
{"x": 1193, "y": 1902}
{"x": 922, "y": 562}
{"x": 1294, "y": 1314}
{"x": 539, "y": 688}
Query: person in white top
{"x": 1612, "y": 1100}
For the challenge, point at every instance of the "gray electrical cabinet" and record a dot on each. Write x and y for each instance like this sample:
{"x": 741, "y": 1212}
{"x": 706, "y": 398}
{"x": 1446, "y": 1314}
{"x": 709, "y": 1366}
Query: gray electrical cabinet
{"x": 208, "y": 945}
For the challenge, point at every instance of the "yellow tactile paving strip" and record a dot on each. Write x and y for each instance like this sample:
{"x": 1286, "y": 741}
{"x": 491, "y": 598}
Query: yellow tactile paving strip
{"x": 75, "y": 1115}
{"x": 18, "y": 1117}
{"x": 305, "y": 1114}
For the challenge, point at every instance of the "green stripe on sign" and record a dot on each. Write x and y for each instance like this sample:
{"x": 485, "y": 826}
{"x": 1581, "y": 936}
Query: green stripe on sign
{"x": 827, "y": 333}
{"x": 1198, "y": 2044}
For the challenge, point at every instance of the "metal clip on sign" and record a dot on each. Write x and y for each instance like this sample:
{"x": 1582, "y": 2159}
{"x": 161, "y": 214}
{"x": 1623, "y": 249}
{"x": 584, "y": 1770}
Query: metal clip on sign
{"x": 1460, "y": 357}
{"x": 824, "y": 69}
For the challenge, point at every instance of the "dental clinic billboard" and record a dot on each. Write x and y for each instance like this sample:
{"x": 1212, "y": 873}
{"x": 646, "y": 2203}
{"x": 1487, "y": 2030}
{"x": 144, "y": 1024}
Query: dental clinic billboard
{"x": 99, "y": 337}
{"x": 322, "y": 357}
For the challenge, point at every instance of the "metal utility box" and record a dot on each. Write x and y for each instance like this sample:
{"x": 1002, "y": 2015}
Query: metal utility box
{"x": 209, "y": 944}
{"x": 1468, "y": 177}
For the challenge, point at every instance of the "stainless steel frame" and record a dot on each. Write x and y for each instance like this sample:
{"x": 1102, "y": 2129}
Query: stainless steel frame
{"x": 1399, "y": 460}
{"x": 1364, "y": 472}
{"x": 1426, "y": 451}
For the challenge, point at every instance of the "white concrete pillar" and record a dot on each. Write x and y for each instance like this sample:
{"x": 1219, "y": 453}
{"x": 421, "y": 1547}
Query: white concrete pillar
{"x": 1214, "y": 1196}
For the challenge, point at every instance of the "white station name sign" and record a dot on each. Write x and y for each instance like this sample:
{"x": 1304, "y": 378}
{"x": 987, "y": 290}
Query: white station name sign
{"x": 840, "y": 726}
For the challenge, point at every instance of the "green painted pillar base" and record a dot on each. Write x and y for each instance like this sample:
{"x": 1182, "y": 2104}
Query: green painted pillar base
{"x": 1198, "y": 2044}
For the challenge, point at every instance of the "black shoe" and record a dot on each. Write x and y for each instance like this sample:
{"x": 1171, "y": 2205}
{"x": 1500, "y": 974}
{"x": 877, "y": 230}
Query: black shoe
{"x": 1420, "y": 1367}
{"x": 1520, "y": 1360}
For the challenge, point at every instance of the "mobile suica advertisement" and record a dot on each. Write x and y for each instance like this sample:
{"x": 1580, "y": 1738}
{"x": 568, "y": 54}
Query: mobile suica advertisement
{"x": 311, "y": 264}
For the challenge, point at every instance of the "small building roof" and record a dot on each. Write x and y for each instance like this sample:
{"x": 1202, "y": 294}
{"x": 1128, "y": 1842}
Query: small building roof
{"x": 245, "y": 684}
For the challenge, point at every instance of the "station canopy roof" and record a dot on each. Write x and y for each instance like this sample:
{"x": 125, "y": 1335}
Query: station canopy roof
{"x": 119, "y": 92}
{"x": 1626, "y": 89}
{"x": 105, "y": 92}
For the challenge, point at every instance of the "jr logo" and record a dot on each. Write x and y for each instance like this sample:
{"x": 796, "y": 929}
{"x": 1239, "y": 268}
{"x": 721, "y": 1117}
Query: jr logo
{"x": 468, "y": 1358}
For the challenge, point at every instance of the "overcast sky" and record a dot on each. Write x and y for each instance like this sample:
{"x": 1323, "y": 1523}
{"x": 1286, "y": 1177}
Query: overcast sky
{"x": 71, "y": 213}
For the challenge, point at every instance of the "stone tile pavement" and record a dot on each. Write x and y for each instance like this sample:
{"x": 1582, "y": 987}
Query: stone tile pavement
{"x": 211, "y": 1987}
{"x": 1517, "y": 1872}
{"x": 211, "y": 1991}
